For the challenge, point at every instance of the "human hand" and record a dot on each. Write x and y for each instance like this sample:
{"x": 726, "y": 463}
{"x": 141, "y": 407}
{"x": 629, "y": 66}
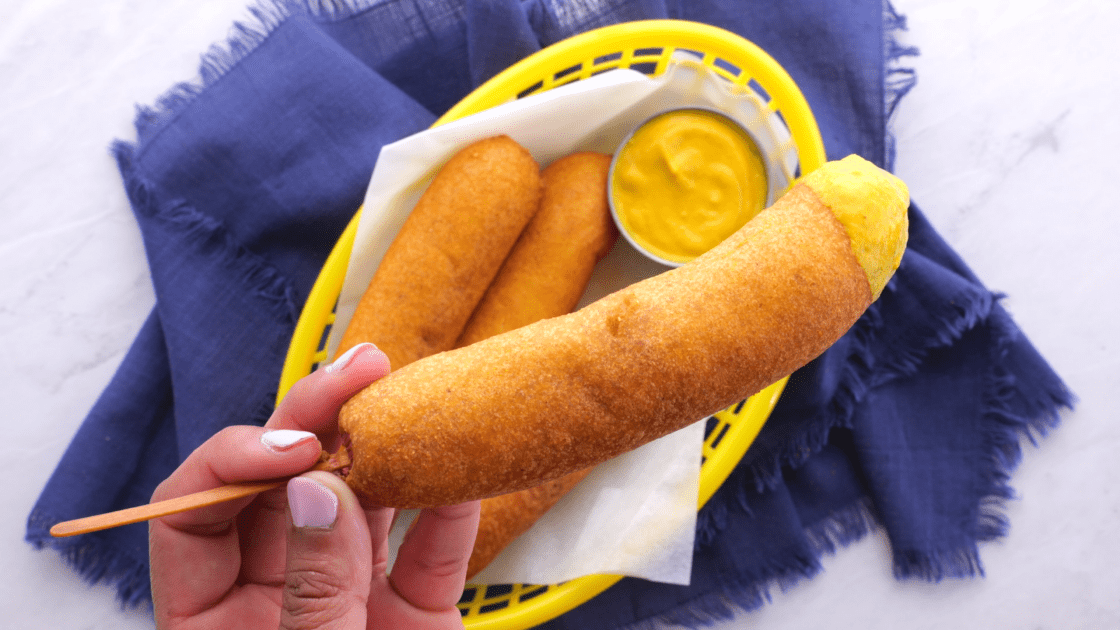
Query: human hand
{"x": 310, "y": 555}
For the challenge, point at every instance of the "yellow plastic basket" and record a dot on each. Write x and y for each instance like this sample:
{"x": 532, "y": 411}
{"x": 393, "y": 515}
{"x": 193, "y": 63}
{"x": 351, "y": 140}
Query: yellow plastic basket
{"x": 646, "y": 46}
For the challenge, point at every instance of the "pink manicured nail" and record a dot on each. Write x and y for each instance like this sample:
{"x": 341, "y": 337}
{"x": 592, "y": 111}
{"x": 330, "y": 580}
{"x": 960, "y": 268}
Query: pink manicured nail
{"x": 341, "y": 362}
{"x": 312, "y": 504}
{"x": 284, "y": 439}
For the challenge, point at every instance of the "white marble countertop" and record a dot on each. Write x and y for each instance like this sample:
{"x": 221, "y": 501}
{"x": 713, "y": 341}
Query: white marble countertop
{"x": 1008, "y": 143}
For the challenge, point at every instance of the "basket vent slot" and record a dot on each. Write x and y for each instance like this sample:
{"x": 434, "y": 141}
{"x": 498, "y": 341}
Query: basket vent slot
{"x": 758, "y": 89}
{"x": 720, "y": 435}
{"x": 728, "y": 69}
{"x": 498, "y": 590}
{"x": 566, "y": 71}
{"x": 710, "y": 426}
{"x": 492, "y": 607}
{"x": 325, "y": 337}
{"x": 531, "y": 594}
{"x": 529, "y": 90}
{"x": 608, "y": 58}
{"x": 468, "y": 595}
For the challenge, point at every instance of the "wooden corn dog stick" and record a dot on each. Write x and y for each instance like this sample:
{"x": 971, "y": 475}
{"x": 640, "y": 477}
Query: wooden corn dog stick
{"x": 544, "y": 276}
{"x": 557, "y": 396}
{"x": 193, "y": 501}
{"x": 147, "y": 512}
{"x": 447, "y": 252}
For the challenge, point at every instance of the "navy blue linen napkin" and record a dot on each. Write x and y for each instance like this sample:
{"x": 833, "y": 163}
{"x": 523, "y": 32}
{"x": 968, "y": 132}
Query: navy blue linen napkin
{"x": 242, "y": 181}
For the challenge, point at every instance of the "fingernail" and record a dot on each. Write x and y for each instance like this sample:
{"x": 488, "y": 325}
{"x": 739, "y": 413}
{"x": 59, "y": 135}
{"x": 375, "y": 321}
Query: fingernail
{"x": 284, "y": 439}
{"x": 341, "y": 362}
{"x": 312, "y": 504}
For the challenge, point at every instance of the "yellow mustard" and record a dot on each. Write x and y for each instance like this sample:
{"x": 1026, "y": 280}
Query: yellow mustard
{"x": 685, "y": 181}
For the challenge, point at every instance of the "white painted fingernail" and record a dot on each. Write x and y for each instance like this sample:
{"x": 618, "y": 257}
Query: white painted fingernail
{"x": 341, "y": 362}
{"x": 284, "y": 439}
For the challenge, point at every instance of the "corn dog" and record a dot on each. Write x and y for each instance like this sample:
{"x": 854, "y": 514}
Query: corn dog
{"x": 544, "y": 276}
{"x": 507, "y": 516}
{"x": 548, "y": 269}
{"x": 562, "y": 394}
{"x": 447, "y": 252}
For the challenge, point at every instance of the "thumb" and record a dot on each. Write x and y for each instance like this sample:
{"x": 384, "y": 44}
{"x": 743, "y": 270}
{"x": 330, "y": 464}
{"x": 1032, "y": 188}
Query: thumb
{"x": 330, "y": 557}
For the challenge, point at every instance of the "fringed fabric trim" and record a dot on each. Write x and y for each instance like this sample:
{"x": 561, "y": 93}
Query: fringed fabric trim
{"x": 953, "y": 563}
{"x": 968, "y": 312}
{"x": 859, "y": 366}
{"x": 824, "y": 538}
{"x": 842, "y": 528}
{"x": 863, "y": 370}
{"x": 898, "y": 79}
{"x": 94, "y": 562}
{"x": 267, "y": 283}
{"x": 98, "y": 562}
{"x": 1005, "y": 430}
{"x": 245, "y": 37}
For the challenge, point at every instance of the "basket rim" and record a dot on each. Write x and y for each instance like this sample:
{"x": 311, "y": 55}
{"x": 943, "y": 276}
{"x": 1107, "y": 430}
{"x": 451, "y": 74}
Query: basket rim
{"x": 714, "y": 42}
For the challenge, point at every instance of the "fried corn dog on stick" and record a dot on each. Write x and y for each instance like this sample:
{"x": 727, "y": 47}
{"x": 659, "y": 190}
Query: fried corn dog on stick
{"x": 447, "y": 252}
{"x": 544, "y": 276}
{"x": 557, "y": 396}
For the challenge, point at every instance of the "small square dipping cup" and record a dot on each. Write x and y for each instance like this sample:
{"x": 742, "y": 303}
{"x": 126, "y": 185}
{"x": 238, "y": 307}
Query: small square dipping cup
{"x": 683, "y": 181}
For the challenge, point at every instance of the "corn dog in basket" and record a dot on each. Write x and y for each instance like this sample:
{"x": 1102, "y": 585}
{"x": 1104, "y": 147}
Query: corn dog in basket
{"x": 557, "y": 396}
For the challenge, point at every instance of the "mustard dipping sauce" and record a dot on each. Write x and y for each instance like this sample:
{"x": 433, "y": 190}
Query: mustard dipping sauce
{"x": 684, "y": 181}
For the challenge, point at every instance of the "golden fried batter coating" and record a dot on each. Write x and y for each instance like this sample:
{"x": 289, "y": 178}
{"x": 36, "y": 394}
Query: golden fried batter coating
{"x": 548, "y": 269}
{"x": 448, "y": 252}
{"x": 507, "y": 516}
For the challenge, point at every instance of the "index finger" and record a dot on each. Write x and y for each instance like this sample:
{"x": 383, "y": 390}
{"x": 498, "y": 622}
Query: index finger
{"x": 195, "y": 555}
{"x": 233, "y": 455}
{"x": 313, "y": 402}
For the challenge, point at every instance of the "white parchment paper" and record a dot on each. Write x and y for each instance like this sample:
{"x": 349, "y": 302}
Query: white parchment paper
{"x": 636, "y": 514}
